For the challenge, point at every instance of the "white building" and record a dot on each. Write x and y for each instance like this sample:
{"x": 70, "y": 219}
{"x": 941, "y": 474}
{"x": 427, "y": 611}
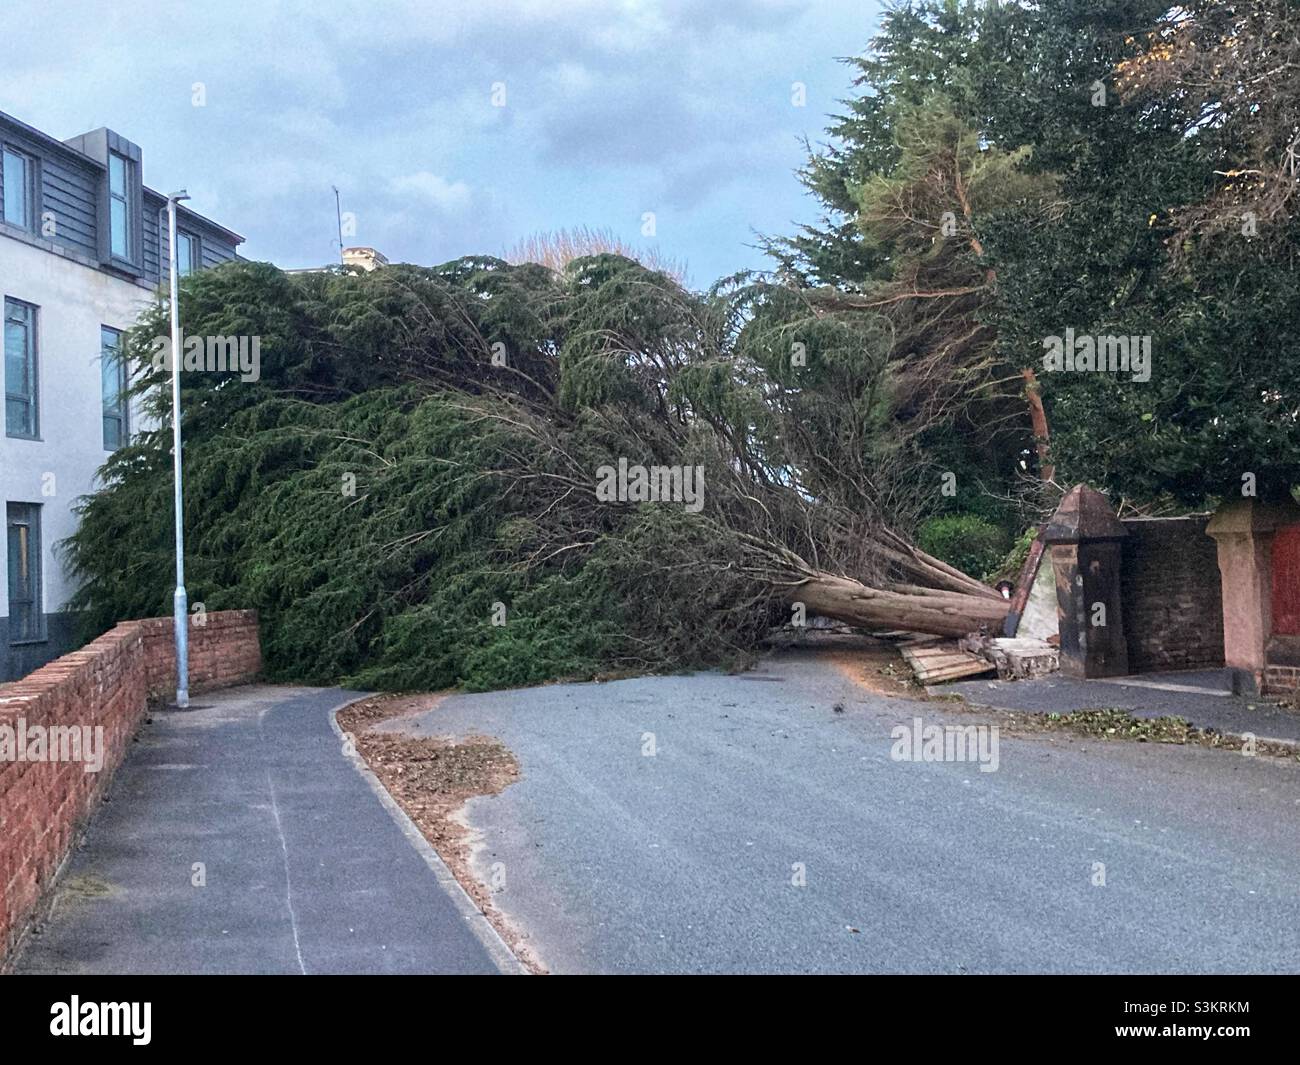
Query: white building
{"x": 83, "y": 247}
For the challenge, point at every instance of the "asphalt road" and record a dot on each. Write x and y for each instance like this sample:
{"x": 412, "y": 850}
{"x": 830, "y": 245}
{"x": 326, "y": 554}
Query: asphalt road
{"x": 612, "y": 859}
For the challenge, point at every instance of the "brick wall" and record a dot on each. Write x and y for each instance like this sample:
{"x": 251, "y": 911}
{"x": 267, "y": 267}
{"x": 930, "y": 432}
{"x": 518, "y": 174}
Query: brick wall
{"x": 223, "y": 651}
{"x": 1171, "y": 595}
{"x": 1281, "y": 680}
{"x": 1282, "y": 665}
{"x": 108, "y": 683}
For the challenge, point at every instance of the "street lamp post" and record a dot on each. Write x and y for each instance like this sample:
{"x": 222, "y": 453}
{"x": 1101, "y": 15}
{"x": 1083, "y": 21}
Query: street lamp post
{"x": 180, "y": 604}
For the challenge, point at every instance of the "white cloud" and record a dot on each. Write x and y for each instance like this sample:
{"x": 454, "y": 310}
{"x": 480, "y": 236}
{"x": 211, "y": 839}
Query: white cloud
{"x": 615, "y": 107}
{"x": 449, "y": 196}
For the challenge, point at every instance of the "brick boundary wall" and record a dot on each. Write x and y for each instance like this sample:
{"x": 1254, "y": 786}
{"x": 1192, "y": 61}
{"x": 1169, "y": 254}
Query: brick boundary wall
{"x": 111, "y": 682}
{"x": 1171, "y": 595}
{"x": 225, "y": 650}
{"x": 1281, "y": 680}
{"x": 1282, "y": 667}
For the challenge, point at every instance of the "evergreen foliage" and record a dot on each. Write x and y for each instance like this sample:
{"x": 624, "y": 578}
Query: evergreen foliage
{"x": 1143, "y": 163}
{"x": 978, "y": 194}
{"x": 420, "y": 452}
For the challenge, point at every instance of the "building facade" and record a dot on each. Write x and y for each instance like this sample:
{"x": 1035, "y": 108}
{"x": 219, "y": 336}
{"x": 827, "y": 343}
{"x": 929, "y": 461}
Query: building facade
{"x": 83, "y": 250}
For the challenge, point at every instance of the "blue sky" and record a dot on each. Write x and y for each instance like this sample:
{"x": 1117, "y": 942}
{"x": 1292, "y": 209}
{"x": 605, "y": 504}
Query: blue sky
{"x": 682, "y": 108}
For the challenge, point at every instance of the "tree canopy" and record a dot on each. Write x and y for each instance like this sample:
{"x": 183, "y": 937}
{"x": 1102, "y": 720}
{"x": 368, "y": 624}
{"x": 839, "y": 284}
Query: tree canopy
{"x": 407, "y": 491}
{"x": 1154, "y": 156}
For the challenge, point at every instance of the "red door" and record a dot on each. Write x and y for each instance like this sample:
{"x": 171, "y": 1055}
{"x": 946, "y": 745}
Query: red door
{"x": 1286, "y": 581}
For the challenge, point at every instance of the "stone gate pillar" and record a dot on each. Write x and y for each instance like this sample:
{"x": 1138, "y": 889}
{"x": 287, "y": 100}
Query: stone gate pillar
{"x": 1244, "y": 531}
{"x": 1084, "y": 537}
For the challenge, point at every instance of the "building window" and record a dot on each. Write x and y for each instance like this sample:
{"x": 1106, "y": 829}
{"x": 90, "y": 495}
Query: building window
{"x": 187, "y": 254}
{"x": 23, "y": 533}
{"x": 20, "y": 370}
{"x": 17, "y": 176}
{"x": 119, "y": 206}
{"x": 113, "y": 382}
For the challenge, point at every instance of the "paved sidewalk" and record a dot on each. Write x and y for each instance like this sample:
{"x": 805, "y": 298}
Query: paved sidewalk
{"x": 307, "y": 867}
{"x": 1204, "y": 708}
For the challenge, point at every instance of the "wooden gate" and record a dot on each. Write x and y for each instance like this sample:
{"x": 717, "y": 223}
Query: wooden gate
{"x": 1286, "y": 581}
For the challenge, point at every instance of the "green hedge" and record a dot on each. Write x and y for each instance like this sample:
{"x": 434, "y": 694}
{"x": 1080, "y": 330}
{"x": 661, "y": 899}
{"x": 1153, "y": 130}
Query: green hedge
{"x": 970, "y": 543}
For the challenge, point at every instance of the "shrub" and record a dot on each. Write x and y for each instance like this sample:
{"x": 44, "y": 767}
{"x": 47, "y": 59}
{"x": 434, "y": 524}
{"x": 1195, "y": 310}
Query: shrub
{"x": 970, "y": 543}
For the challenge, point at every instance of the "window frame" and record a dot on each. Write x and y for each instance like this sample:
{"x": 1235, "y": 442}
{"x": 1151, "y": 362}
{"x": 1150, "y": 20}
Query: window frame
{"x": 32, "y": 358}
{"x": 28, "y": 222}
{"x": 127, "y": 255}
{"x": 190, "y": 241}
{"x": 15, "y": 513}
{"x": 122, "y": 411}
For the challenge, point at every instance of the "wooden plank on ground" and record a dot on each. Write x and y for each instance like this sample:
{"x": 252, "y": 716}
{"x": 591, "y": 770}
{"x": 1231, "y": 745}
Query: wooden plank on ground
{"x": 943, "y": 662}
{"x": 955, "y": 672}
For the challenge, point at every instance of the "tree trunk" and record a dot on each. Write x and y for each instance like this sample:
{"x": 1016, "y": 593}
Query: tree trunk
{"x": 928, "y": 571}
{"x": 1038, "y": 418}
{"x": 938, "y": 612}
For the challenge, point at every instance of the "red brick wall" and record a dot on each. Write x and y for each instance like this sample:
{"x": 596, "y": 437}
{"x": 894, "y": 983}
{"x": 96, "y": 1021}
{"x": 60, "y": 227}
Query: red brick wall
{"x": 108, "y": 683}
{"x": 1282, "y": 665}
{"x": 1171, "y": 595}
{"x": 224, "y": 650}
{"x": 1281, "y": 680}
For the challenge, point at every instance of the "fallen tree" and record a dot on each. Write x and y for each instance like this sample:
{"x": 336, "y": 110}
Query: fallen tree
{"x": 408, "y": 493}
{"x": 932, "y": 598}
{"x": 852, "y": 602}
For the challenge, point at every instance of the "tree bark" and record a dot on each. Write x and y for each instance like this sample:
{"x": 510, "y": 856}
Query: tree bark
{"x": 928, "y": 571}
{"x": 942, "y": 614}
{"x": 1038, "y": 418}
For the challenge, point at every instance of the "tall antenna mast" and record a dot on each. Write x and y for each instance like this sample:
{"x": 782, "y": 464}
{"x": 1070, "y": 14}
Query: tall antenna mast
{"x": 338, "y": 211}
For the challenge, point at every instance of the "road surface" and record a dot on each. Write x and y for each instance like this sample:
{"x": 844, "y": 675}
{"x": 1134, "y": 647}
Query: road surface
{"x": 712, "y": 823}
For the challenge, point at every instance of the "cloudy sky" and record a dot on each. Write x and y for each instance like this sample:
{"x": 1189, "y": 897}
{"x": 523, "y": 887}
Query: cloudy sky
{"x": 453, "y": 127}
